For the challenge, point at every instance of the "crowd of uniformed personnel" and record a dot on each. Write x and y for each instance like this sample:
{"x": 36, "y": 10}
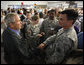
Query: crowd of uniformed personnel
{"x": 37, "y": 37}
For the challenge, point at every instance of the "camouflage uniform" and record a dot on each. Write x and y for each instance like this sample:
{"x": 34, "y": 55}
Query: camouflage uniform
{"x": 33, "y": 42}
{"x": 27, "y": 20}
{"x": 59, "y": 45}
{"x": 32, "y": 36}
{"x": 24, "y": 29}
{"x": 49, "y": 27}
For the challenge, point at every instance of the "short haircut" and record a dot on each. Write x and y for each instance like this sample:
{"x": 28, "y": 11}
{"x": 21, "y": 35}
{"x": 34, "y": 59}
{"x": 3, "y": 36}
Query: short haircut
{"x": 48, "y": 11}
{"x": 35, "y": 17}
{"x": 10, "y": 18}
{"x": 36, "y": 13}
{"x": 8, "y": 8}
{"x": 71, "y": 14}
{"x": 52, "y": 10}
{"x": 28, "y": 12}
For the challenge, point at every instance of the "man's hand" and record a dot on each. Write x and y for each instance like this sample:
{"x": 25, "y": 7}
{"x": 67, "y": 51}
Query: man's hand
{"x": 39, "y": 35}
{"x": 42, "y": 33}
{"x": 41, "y": 46}
{"x": 23, "y": 23}
{"x": 50, "y": 32}
{"x": 29, "y": 31}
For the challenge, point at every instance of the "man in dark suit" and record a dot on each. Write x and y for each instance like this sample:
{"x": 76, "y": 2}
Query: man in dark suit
{"x": 15, "y": 48}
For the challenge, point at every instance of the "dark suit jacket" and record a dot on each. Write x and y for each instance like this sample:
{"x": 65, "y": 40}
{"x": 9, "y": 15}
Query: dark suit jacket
{"x": 15, "y": 48}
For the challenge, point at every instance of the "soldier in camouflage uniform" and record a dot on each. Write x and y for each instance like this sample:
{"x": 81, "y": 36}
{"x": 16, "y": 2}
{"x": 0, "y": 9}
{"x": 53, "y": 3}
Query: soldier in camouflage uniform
{"x": 26, "y": 22}
{"x": 33, "y": 28}
{"x": 33, "y": 36}
{"x": 50, "y": 25}
{"x": 59, "y": 45}
{"x": 28, "y": 19}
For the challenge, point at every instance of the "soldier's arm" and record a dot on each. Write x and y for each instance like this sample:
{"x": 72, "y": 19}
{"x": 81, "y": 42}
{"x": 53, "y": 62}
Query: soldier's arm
{"x": 49, "y": 40}
{"x": 63, "y": 47}
{"x": 34, "y": 36}
{"x": 42, "y": 27}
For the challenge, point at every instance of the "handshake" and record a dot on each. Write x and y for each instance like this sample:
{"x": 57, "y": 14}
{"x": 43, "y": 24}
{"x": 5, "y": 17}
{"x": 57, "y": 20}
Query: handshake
{"x": 41, "y": 34}
{"x": 41, "y": 46}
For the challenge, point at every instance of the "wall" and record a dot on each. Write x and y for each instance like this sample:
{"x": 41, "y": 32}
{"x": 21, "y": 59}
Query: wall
{"x": 4, "y": 4}
{"x": 63, "y": 3}
{"x": 55, "y": 3}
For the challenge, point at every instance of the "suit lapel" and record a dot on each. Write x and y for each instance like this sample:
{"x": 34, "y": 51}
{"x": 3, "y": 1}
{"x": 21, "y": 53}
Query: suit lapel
{"x": 14, "y": 34}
